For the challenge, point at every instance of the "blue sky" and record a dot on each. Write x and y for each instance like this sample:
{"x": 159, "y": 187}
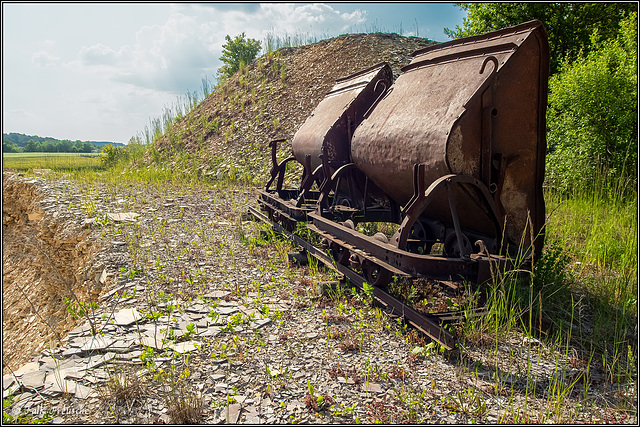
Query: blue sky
{"x": 99, "y": 71}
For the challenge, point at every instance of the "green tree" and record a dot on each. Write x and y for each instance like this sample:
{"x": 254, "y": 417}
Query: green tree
{"x": 33, "y": 146}
{"x": 237, "y": 53}
{"x": 10, "y": 147}
{"x": 87, "y": 147}
{"x": 48, "y": 146}
{"x": 65, "y": 146}
{"x": 593, "y": 113}
{"x": 569, "y": 24}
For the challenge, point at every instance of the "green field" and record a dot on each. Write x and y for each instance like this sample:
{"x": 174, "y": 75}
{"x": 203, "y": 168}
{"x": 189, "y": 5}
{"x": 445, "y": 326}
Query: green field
{"x": 53, "y": 161}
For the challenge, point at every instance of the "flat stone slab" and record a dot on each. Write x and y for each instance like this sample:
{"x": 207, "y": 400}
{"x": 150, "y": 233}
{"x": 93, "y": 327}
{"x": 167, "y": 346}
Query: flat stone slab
{"x": 8, "y": 381}
{"x": 122, "y": 345}
{"x": 155, "y": 343}
{"x": 232, "y": 413}
{"x": 126, "y": 317}
{"x": 64, "y": 373}
{"x": 252, "y": 416}
{"x": 257, "y": 324}
{"x": 227, "y": 310}
{"x": 26, "y": 368}
{"x": 95, "y": 361}
{"x": 216, "y": 294}
{"x": 123, "y": 216}
{"x": 373, "y": 387}
{"x": 184, "y": 347}
{"x": 67, "y": 387}
{"x": 250, "y": 312}
{"x": 210, "y": 332}
{"x": 194, "y": 317}
{"x": 217, "y": 320}
{"x": 118, "y": 289}
{"x": 80, "y": 330}
{"x": 198, "y": 308}
{"x": 97, "y": 343}
{"x": 71, "y": 351}
{"x": 33, "y": 379}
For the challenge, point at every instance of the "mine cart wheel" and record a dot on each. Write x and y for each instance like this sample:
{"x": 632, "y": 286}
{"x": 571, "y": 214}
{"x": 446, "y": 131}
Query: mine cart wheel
{"x": 451, "y": 247}
{"x": 289, "y": 225}
{"x": 375, "y": 275}
{"x": 340, "y": 254}
{"x": 417, "y": 242}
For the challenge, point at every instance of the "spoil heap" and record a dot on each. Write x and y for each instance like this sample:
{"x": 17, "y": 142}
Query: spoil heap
{"x": 231, "y": 129}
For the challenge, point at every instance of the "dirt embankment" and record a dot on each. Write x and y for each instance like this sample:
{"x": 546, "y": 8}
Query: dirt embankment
{"x": 45, "y": 260}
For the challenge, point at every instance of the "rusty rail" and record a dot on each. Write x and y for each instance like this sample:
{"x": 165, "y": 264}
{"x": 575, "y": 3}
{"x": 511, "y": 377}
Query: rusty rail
{"x": 430, "y": 325}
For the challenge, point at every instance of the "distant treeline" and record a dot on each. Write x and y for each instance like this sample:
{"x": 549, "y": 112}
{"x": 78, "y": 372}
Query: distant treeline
{"x": 18, "y": 142}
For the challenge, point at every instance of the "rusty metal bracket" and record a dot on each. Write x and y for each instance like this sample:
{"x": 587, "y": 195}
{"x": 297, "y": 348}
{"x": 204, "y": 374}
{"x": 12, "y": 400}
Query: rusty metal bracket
{"x": 277, "y": 170}
{"x": 344, "y": 172}
{"x": 464, "y": 253}
{"x": 498, "y": 168}
{"x": 382, "y": 94}
{"x": 411, "y": 210}
{"x": 326, "y": 185}
{"x": 307, "y": 181}
{"x": 486, "y": 60}
{"x": 422, "y": 200}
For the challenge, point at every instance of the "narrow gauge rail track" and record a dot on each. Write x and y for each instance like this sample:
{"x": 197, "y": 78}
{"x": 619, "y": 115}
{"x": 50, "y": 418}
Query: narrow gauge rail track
{"x": 432, "y": 324}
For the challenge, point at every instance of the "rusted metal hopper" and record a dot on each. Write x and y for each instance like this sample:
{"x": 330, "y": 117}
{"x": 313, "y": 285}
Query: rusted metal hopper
{"x": 331, "y": 124}
{"x": 473, "y": 108}
{"x": 323, "y": 142}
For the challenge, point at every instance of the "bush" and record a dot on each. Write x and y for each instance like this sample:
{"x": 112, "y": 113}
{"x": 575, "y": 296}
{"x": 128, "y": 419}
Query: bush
{"x": 113, "y": 156}
{"x": 237, "y": 53}
{"x": 592, "y": 115}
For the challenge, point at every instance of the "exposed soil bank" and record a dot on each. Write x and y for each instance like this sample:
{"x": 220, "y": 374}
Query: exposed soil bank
{"x": 45, "y": 259}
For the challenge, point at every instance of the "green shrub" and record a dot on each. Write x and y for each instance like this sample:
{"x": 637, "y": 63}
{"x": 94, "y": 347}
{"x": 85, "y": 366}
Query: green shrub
{"x": 592, "y": 115}
{"x": 112, "y": 155}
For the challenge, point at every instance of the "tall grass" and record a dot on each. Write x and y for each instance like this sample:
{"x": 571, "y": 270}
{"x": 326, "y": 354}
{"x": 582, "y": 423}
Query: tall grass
{"x": 584, "y": 287}
{"x": 172, "y": 113}
{"x": 598, "y": 229}
{"x": 274, "y": 41}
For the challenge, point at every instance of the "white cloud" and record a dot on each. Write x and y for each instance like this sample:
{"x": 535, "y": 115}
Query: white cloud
{"x": 168, "y": 57}
{"x": 44, "y": 59}
{"x": 309, "y": 17}
{"x": 99, "y": 54}
{"x": 172, "y": 56}
{"x": 99, "y": 71}
{"x": 116, "y": 83}
{"x": 311, "y": 14}
{"x": 15, "y": 114}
